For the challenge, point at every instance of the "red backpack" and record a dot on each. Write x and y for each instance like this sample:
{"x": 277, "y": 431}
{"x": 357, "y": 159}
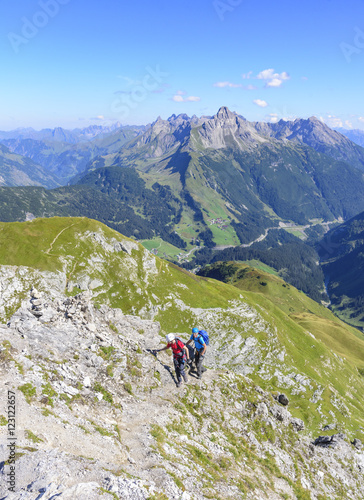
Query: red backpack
{"x": 182, "y": 352}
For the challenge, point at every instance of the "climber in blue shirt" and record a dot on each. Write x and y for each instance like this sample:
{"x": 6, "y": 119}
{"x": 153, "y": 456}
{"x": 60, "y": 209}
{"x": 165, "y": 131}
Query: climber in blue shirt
{"x": 200, "y": 349}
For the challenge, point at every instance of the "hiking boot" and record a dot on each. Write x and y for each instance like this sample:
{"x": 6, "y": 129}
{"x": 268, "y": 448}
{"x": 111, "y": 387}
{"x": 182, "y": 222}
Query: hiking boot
{"x": 199, "y": 376}
{"x": 203, "y": 369}
{"x": 185, "y": 378}
{"x": 179, "y": 383}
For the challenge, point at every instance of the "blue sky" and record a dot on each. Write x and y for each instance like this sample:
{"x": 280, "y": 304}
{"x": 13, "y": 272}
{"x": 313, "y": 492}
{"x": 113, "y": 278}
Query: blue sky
{"x": 72, "y": 63}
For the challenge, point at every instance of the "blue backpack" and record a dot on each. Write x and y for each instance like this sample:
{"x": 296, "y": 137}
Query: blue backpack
{"x": 205, "y": 336}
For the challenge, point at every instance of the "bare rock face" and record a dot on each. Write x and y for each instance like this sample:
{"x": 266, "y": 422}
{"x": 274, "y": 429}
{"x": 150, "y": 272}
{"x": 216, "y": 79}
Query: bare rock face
{"x": 225, "y": 126}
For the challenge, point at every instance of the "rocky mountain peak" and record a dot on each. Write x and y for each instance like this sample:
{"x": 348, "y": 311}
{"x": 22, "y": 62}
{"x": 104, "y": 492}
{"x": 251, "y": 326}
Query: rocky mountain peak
{"x": 181, "y": 116}
{"x": 315, "y": 119}
{"x": 225, "y": 114}
{"x": 228, "y": 129}
{"x": 158, "y": 119}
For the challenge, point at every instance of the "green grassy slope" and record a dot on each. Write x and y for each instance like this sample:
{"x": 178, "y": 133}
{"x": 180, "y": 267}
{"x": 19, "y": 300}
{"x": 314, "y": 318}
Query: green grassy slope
{"x": 299, "y": 347}
{"x": 338, "y": 336}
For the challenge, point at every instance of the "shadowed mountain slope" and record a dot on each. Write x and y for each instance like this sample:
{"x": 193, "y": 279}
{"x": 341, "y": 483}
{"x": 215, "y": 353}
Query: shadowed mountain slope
{"x": 16, "y": 170}
{"x": 342, "y": 252}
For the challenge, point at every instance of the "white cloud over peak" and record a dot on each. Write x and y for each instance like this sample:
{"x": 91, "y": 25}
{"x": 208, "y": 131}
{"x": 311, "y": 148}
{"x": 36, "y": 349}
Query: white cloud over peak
{"x": 260, "y": 103}
{"x": 332, "y": 121}
{"x": 273, "y": 117}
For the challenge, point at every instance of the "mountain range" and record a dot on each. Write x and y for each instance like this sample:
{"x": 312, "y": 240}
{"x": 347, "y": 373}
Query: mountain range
{"x": 226, "y": 167}
{"x": 184, "y": 185}
{"x": 355, "y": 135}
{"x": 239, "y": 171}
{"x": 60, "y": 134}
{"x": 62, "y": 154}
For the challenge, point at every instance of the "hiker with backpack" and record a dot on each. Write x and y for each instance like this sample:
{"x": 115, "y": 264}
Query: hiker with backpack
{"x": 180, "y": 356}
{"x": 201, "y": 340}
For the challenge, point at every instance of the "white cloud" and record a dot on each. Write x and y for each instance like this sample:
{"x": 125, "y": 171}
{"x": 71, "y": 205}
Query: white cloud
{"x": 273, "y": 79}
{"x": 273, "y": 117}
{"x": 231, "y": 85}
{"x": 333, "y": 121}
{"x": 246, "y": 76}
{"x": 260, "y": 103}
{"x": 227, "y": 84}
{"x": 178, "y": 97}
{"x": 361, "y": 119}
{"x": 276, "y": 82}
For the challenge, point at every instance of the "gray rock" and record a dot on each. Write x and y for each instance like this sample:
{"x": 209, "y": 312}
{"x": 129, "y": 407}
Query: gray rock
{"x": 37, "y": 302}
{"x": 329, "y": 441}
{"x": 127, "y": 489}
{"x": 357, "y": 443}
{"x": 35, "y": 294}
{"x": 282, "y": 398}
{"x": 280, "y": 414}
{"x": 37, "y": 314}
{"x": 329, "y": 427}
{"x": 261, "y": 411}
{"x": 297, "y": 424}
{"x": 324, "y": 441}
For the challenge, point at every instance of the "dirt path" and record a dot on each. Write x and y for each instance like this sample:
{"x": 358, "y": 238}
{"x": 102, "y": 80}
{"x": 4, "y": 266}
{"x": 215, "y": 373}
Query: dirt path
{"x": 57, "y": 236}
